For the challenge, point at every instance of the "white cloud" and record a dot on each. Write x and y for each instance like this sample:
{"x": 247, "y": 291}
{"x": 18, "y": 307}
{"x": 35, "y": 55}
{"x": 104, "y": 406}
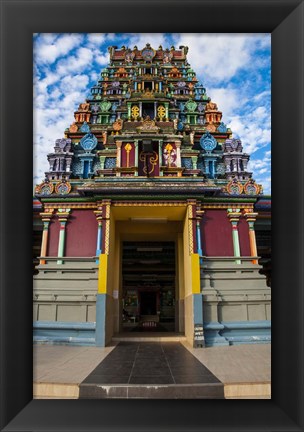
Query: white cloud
{"x": 77, "y": 82}
{"x": 102, "y": 59}
{"x": 227, "y": 100}
{"x": 250, "y": 123}
{"x": 97, "y": 38}
{"x": 71, "y": 101}
{"x": 47, "y": 38}
{"x": 260, "y": 164}
{"x": 261, "y": 96}
{"x": 266, "y": 183}
{"x": 261, "y": 169}
{"x": 49, "y": 125}
{"x": 75, "y": 63}
{"x": 253, "y": 135}
{"x": 141, "y": 39}
{"x": 42, "y": 84}
{"x": 216, "y": 56}
{"x": 51, "y": 47}
{"x": 55, "y": 94}
{"x": 95, "y": 76}
{"x": 262, "y": 40}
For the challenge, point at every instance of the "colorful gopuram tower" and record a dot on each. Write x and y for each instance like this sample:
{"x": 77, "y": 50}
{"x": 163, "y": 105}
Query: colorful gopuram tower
{"x": 149, "y": 214}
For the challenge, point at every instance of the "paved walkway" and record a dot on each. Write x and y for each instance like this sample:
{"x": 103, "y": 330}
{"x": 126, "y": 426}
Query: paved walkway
{"x": 245, "y": 370}
{"x": 151, "y": 370}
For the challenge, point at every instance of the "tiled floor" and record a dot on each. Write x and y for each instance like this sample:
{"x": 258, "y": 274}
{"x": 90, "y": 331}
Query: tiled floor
{"x": 66, "y": 364}
{"x": 237, "y": 363}
{"x": 153, "y": 364}
{"x": 242, "y": 368}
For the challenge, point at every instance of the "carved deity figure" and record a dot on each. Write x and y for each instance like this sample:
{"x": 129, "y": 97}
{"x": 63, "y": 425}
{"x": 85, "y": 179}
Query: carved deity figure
{"x": 129, "y": 56}
{"x": 211, "y": 106}
{"x": 167, "y": 56}
{"x": 211, "y": 127}
{"x": 175, "y": 122}
{"x": 169, "y": 155}
{"x": 191, "y": 137}
{"x": 84, "y": 107}
{"x": 104, "y": 137}
{"x": 117, "y": 125}
{"x": 73, "y": 127}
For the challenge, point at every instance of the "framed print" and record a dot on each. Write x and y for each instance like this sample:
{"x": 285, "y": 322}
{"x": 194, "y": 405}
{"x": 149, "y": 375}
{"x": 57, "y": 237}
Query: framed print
{"x": 20, "y": 20}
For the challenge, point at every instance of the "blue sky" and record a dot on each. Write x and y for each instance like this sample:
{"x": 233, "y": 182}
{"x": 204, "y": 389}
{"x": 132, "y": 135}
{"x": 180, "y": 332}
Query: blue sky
{"x": 234, "y": 68}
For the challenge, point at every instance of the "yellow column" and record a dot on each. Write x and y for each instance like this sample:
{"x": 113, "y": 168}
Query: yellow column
{"x": 106, "y": 225}
{"x": 118, "y": 156}
{"x": 102, "y": 274}
{"x": 46, "y": 217}
{"x": 103, "y": 317}
{"x": 190, "y": 225}
{"x": 195, "y": 269}
{"x": 251, "y": 218}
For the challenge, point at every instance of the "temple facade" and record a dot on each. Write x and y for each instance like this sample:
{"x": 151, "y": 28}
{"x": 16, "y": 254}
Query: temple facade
{"x": 148, "y": 218}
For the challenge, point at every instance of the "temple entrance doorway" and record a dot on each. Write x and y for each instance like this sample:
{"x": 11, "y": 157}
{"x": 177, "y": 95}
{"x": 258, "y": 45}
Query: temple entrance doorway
{"x": 148, "y": 286}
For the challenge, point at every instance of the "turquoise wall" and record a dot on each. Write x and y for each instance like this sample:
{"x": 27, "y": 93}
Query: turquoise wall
{"x": 237, "y": 332}
{"x": 71, "y": 333}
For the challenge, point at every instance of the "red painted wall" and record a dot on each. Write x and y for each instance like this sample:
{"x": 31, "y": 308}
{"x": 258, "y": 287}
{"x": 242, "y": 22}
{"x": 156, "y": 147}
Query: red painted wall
{"x": 53, "y": 237}
{"x": 81, "y": 234}
{"x": 244, "y": 237}
{"x": 124, "y": 155}
{"x": 216, "y": 233}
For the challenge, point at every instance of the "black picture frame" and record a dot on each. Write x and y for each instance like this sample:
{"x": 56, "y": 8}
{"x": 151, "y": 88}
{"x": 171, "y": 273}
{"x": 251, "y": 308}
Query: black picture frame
{"x": 19, "y": 20}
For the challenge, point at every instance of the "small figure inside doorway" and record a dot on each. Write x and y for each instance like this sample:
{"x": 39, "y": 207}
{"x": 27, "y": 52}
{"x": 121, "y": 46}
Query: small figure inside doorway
{"x": 126, "y": 317}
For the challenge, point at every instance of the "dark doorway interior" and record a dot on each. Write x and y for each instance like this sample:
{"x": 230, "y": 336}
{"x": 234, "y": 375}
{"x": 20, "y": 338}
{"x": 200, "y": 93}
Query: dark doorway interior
{"x": 148, "y": 297}
{"x": 148, "y": 86}
{"x": 148, "y": 303}
{"x": 148, "y": 110}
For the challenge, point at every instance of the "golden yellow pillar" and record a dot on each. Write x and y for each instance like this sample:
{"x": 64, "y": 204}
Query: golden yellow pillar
{"x": 106, "y": 225}
{"x": 118, "y": 156}
{"x": 251, "y": 218}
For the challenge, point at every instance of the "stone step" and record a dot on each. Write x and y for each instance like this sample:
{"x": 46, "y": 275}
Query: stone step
{"x": 255, "y": 390}
{"x": 149, "y": 337}
{"x": 153, "y": 391}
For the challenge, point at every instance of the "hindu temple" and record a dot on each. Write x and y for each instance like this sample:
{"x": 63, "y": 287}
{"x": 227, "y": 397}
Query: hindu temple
{"x": 148, "y": 219}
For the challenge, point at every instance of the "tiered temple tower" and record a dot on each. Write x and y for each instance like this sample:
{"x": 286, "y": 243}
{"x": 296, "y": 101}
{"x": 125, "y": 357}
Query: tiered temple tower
{"x": 148, "y": 166}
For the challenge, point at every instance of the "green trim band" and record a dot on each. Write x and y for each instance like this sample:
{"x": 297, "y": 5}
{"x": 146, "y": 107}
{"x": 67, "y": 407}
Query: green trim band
{"x": 149, "y": 198}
